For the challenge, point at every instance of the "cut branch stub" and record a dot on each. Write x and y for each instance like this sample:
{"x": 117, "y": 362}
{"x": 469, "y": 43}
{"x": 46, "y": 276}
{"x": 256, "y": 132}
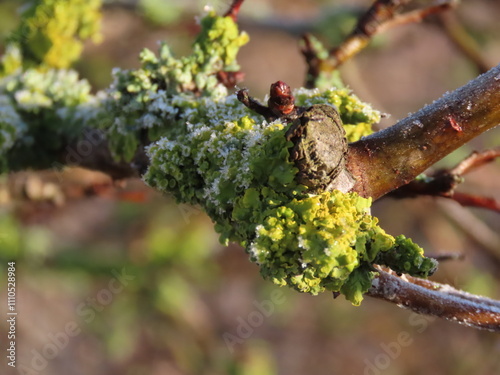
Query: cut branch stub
{"x": 319, "y": 149}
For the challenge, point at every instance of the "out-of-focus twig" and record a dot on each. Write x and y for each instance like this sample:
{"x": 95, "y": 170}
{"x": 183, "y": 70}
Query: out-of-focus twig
{"x": 474, "y": 160}
{"x": 463, "y": 41}
{"x": 444, "y": 182}
{"x": 472, "y": 200}
{"x": 381, "y": 16}
{"x": 475, "y": 229}
{"x": 234, "y": 10}
{"x": 445, "y": 256}
{"x": 414, "y": 16}
{"x": 431, "y": 298}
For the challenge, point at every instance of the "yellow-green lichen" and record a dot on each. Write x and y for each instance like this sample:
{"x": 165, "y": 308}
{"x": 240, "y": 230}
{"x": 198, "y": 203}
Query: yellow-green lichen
{"x": 51, "y": 32}
{"x": 152, "y": 96}
{"x": 212, "y": 151}
{"x": 236, "y": 167}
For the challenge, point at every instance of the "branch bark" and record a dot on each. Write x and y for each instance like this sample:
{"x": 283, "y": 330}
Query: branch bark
{"x": 381, "y": 16}
{"x": 443, "y": 183}
{"x": 394, "y": 156}
{"x": 443, "y": 301}
{"x": 91, "y": 150}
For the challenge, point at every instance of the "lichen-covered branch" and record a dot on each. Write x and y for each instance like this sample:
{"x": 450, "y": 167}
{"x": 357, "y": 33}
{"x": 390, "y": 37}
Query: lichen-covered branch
{"x": 268, "y": 183}
{"x": 51, "y": 34}
{"x": 431, "y": 298}
{"x": 395, "y": 156}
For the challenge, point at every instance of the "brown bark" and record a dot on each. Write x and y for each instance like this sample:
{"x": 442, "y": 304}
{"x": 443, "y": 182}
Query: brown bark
{"x": 394, "y": 156}
{"x": 443, "y": 301}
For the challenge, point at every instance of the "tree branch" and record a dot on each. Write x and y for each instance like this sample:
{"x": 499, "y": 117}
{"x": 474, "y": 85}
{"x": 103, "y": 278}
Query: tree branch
{"x": 394, "y": 156}
{"x": 431, "y": 298}
{"x": 91, "y": 150}
{"x": 382, "y": 15}
{"x": 234, "y": 10}
{"x": 444, "y": 182}
{"x": 414, "y": 16}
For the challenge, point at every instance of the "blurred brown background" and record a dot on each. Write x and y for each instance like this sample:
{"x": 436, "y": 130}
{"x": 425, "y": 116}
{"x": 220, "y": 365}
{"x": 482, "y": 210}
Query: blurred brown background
{"x": 115, "y": 279}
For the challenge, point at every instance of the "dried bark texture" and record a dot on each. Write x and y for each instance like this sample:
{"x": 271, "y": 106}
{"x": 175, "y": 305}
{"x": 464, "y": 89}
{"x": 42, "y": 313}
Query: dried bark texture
{"x": 319, "y": 148}
{"x": 394, "y": 156}
{"x": 443, "y": 301}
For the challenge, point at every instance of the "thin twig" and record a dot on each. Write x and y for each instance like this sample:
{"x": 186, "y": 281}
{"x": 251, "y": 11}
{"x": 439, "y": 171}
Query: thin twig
{"x": 475, "y": 160}
{"x": 381, "y": 16}
{"x": 414, "y": 16}
{"x": 463, "y": 41}
{"x": 368, "y": 25}
{"x": 472, "y": 200}
{"x": 445, "y": 256}
{"x": 254, "y": 105}
{"x": 475, "y": 229}
{"x": 234, "y": 10}
{"x": 431, "y": 298}
{"x": 312, "y": 59}
{"x": 444, "y": 182}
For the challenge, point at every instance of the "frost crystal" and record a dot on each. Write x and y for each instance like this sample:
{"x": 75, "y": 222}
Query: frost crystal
{"x": 38, "y": 112}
